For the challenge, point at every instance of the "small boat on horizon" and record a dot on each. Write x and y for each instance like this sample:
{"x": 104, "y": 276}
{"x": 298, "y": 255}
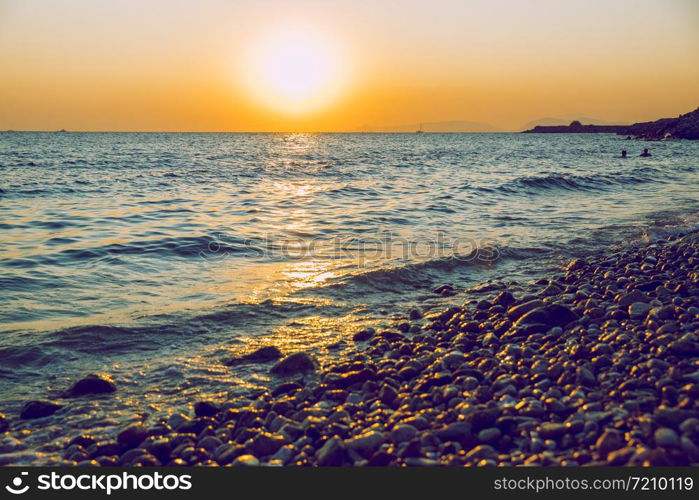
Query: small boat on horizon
{"x": 420, "y": 131}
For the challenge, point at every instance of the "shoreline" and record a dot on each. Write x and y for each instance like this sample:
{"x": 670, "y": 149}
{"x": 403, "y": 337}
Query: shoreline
{"x": 599, "y": 366}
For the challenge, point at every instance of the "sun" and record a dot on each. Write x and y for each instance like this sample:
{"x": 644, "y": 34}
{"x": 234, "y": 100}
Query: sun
{"x": 295, "y": 70}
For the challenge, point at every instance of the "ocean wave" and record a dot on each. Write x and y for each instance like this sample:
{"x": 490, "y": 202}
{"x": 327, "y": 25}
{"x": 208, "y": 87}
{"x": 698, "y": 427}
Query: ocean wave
{"x": 423, "y": 274}
{"x": 191, "y": 246}
{"x": 156, "y": 333}
{"x": 574, "y": 182}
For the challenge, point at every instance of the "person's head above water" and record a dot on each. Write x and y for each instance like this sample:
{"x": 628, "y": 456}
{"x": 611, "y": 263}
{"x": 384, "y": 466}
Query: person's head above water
{"x": 623, "y": 153}
{"x": 645, "y": 152}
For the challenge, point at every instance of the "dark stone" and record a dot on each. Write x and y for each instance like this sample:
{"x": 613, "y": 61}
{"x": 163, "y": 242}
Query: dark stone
{"x": 84, "y": 440}
{"x": 261, "y": 355}
{"x": 673, "y": 417}
{"x": 504, "y": 298}
{"x": 38, "y": 409}
{"x": 345, "y": 380}
{"x": 131, "y": 455}
{"x": 387, "y": 394}
{"x": 132, "y": 436}
{"x": 381, "y": 459}
{"x": 625, "y": 300}
{"x": 458, "y": 431}
{"x": 576, "y": 264}
{"x": 206, "y": 408}
{"x": 299, "y": 362}
{"x": 265, "y": 444}
{"x": 332, "y": 453}
{"x": 520, "y": 310}
{"x": 667, "y": 438}
{"x": 104, "y": 449}
{"x": 609, "y": 441}
{"x": 362, "y": 335}
{"x": 585, "y": 377}
{"x": 489, "y": 435}
{"x": 92, "y": 384}
{"x": 552, "y": 430}
{"x": 684, "y": 347}
{"x": 551, "y": 315}
{"x": 620, "y": 457}
{"x": 415, "y": 314}
{"x": 482, "y": 418}
{"x": 286, "y": 388}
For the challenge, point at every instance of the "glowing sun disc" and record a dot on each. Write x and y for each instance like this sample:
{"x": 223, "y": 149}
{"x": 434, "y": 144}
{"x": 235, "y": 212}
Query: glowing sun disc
{"x": 295, "y": 71}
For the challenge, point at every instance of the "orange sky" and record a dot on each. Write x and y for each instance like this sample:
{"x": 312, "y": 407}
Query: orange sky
{"x": 186, "y": 65}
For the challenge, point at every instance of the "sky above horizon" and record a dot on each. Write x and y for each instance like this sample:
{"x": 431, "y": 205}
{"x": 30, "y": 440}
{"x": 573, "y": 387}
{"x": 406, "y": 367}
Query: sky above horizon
{"x": 341, "y": 65}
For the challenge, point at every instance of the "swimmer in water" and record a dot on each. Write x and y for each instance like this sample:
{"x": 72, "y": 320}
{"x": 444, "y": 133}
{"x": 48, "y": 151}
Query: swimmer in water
{"x": 645, "y": 153}
{"x": 623, "y": 153}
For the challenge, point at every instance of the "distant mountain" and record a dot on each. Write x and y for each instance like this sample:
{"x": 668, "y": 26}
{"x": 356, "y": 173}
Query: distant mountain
{"x": 449, "y": 126}
{"x": 549, "y": 121}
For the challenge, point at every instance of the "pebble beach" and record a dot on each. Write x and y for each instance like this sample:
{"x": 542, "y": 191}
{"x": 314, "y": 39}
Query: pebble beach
{"x": 595, "y": 365}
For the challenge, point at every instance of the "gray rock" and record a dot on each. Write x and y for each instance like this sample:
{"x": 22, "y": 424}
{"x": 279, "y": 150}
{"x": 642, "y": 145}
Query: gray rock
{"x": 667, "y": 438}
{"x": 552, "y": 430}
{"x": 609, "y": 441}
{"x": 284, "y": 454}
{"x": 631, "y": 297}
{"x": 403, "y": 432}
{"x": 585, "y": 377}
{"x": 365, "y": 444}
{"x": 421, "y": 462}
{"x": 489, "y": 435}
{"x": 665, "y": 312}
{"x": 453, "y": 360}
{"x": 639, "y": 310}
{"x": 246, "y": 461}
{"x": 482, "y": 451}
{"x": 332, "y": 453}
{"x": 457, "y": 431}
{"x": 689, "y": 448}
{"x": 264, "y": 444}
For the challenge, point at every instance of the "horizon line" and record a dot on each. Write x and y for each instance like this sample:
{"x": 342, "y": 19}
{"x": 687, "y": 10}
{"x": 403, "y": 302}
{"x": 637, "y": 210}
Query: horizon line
{"x": 63, "y": 131}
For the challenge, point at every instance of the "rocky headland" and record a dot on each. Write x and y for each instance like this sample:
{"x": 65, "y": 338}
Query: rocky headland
{"x": 576, "y": 127}
{"x": 682, "y": 127}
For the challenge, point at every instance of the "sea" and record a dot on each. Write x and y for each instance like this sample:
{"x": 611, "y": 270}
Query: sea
{"x": 154, "y": 257}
